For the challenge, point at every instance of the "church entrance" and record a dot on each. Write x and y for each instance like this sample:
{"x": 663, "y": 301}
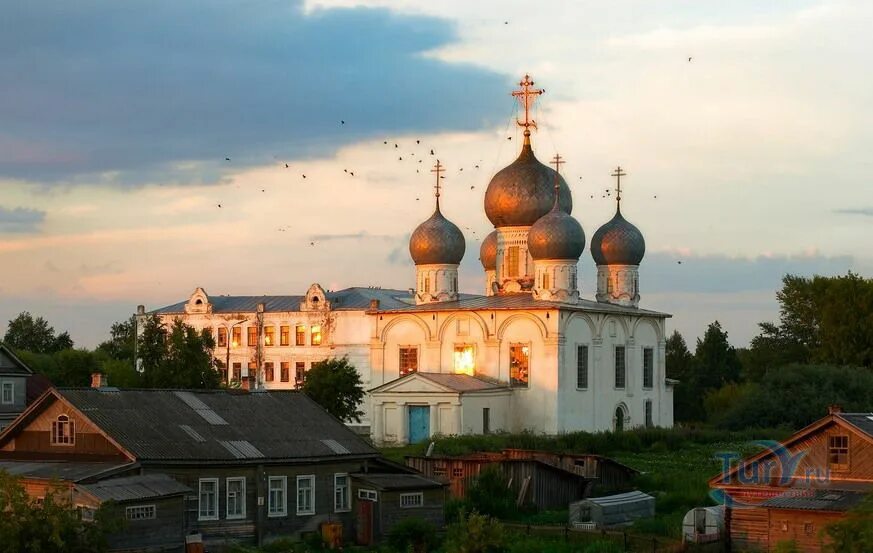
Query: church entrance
{"x": 419, "y": 423}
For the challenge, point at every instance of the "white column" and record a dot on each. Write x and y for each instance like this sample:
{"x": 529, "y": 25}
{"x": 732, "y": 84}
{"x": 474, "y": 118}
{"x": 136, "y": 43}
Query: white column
{"x": 377, "y": 432}
{"x": 434, "y": 417}
{"x": 459, "y": 419}
{"x": 403, "y": 423}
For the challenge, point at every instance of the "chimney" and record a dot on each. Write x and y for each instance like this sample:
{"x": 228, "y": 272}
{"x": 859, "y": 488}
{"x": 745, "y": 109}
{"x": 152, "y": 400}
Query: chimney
{"x": 98, "y": 380}
{"x": 140, "y": 309}
{"x": 374, "y": 305}
{"x": 834, "y": 409}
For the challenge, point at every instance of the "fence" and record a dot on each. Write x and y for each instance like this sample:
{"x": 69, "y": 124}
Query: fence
{"x": 631, "y": 543}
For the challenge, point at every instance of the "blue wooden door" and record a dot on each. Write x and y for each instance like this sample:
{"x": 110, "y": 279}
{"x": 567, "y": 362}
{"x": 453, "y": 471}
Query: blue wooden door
{"x": 419, "y": 423}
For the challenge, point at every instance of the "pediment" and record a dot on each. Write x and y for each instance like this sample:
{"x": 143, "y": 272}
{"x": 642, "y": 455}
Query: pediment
{"x": 413, "y": 383}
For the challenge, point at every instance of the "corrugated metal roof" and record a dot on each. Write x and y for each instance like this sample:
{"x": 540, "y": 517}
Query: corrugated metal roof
{"x": 61, "y": 470}
{"x": 861, "y": 421}
{"x": 815, "y": 500}
{"x": 278, "y": 425}
{"x": 397, "y": 481}
{"x": 133, "y": 488}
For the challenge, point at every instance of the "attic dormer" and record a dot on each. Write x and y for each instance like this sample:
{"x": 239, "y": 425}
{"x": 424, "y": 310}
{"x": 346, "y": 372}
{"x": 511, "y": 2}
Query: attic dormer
{"x": 198, "y": 302}
{"x": 315, "y": 299}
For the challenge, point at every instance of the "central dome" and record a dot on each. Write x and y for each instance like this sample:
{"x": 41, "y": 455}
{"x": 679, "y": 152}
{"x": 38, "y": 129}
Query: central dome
{"x": 524, "y": 191}
{"x": 437, "y": 241}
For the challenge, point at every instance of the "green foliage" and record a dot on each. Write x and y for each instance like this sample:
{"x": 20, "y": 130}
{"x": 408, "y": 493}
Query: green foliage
{"x": 121, "y": 344}
{"x": 603, "y": 547}
{"x": 786, "y": 546}
{"x": 489, "y": 493}
{"x": 69, "y": 367}
{"x": 854, "y": 533}
{"x": 53, "y": 525}
{"x": 413, "y": 535}
{"x": 475, "y": 533}
{"x": 719, "y": 404}
{"x": 26, "y": 333}
{"x": 178, "y": 357}
{"x": 336, "y": 385}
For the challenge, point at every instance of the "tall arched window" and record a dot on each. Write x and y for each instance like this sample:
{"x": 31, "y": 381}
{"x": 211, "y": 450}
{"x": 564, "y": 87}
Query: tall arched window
{"x": 63, "y": 431}
{"x": 619, "y": 418}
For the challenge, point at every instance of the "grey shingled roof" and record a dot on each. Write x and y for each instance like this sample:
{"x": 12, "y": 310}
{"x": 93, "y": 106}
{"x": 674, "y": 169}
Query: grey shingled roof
{"x": 349, "y": 299}
{"x": 60, "y": 470}
{"x": 815, "y": 500}
{"x": 397, "y": 481}
{"x": 462, "y": 382}
{"x": 199, "y": 426}
{"x": 132, "y": 488}
{"x": 861, "y": 421}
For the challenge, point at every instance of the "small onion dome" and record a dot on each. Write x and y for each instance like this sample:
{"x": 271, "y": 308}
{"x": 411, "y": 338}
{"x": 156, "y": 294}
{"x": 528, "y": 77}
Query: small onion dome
{"x": 522, "y": 192}
{"x": 437, "y": 241}
{"x": 488, "y": 252}
{"x": 618, "y": 243}
{"x": 556, "y": 235}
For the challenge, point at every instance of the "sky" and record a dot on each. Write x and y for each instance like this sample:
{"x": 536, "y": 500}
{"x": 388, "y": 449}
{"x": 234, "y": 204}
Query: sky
{"x": 148, "y": 148}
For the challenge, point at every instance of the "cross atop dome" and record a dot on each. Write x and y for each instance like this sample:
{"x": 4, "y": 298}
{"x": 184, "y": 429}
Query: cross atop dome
{"x": 526, "y": 96}
{"x": 618, "y": 174}
{"x": 437, "y": 169}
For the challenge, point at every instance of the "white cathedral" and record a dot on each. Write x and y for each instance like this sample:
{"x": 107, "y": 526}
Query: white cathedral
{"x": 530, "y": 354}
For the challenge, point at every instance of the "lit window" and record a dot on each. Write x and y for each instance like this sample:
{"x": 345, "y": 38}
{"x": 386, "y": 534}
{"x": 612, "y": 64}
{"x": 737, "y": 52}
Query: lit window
{"x": 285, "y": 370}
{"x": 306, "y": 495}
{"x": 237, "y": 371}
{"x": 269, "y": 335}
{"x": 140, "y": 512}
{"x": 277, "y": 503}
{"x": 268, "y": 371}
{"x": 620, "y": 374}
{"x": 285, "y": 335}
{"x": 838, "y": 452}
{"x": 7, "y": 396}
{"x": 208, "y": 509}
{"x": 63, "y": 431}
{"x": 465, "y": 359}
{"x": 253, "y": 336}
{"x": 648, "y": 367}
{"x": 301, "y": 335}
{"x": 236, "y": 498}
{"x": 545, "y": 281}
{"x": 649, "y": 422}
{"x": 409, "y": 500}
{"x": 315, "y": 335}
{"x": 426, "y": 284}
{"x": 222, "y": 337}
{"x": 512, "y": 261}
{"x": 299, "y": 374}
{"x": 237, "y": 337}
{"x": 519, "y": 365}
{"x": 582, "y": 367}
{"x": 341, "y": 496}
{"x": 408, "y": 360}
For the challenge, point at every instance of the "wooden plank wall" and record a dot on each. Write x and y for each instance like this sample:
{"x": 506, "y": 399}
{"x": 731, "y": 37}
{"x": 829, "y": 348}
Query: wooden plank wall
{"x": 749, "y": 529}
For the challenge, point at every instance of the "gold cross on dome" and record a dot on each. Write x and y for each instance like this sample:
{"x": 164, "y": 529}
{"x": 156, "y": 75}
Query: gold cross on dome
{"x": 527, "y": 96}
{"x": 557, "y": 161}
{"x": 618, "y": 174}
{"x": 437, "y": 169}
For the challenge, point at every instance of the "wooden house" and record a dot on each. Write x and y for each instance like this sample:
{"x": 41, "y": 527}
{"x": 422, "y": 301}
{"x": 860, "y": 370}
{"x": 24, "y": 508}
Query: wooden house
{"x": 233, "y": 466}
{"x": 607, "y": 475}
{"x": 14, "y": 376}
{"x": 790, "y": 491}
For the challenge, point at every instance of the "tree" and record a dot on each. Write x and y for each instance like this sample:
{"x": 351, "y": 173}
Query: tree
{"x": 678, "y": 357}
{"x": 490, "y": 493}
{"x": 475, "y": 533}
{"x": 336, "y": 385}
{"x": 680, "y": 366}
{"x": 35, "y": 335}
{"x": 53, "y": 525}
{"x": 854, "y": 533}
{"x": 716, "y": 362}
{"x": 69, "y": 367}
{"x": 121, "y": 344}
{"x": 178, "y": 357}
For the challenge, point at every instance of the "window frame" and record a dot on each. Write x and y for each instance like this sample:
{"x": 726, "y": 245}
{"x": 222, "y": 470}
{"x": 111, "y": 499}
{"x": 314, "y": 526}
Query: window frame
{"x": 222, "y": 337}
{"x": 269, "y": 371}
{"x": 300, "y": 337}
{"x": 299, "y": 373}
{"x": 585, "y": 370}
{"x": 7, "y": 385}
{"x": 839, "y": 467}
{"x": 649, "y": 413}
{"x": 315, "y": 335}
{"x": 615, "y": 351}
{"x": 525, "y": 385}
{"x": 251, "y": 337}
{"x": 463, "y": 346}
{"x": 200, "y": 482}
{"x": 236, "y": 336}
{"x": 69, "y": 437}
{"x": 347, "y": 495}
{"x": 269, "y": 335}
{"x": 241, "y": 499}
{"x": 400, "y": 358}
{"x": 285, "y": 371}
{"x": 284, "y": 490}
{"x": 412, "y": 495}
{"x": 311, "y": 508}
{"x": 513, "y": 254}
{"x": 236, "y": 374}
{"x": 149, "y": 509}
{"x": 284, "y": 335}
{"x": 649, "y": 374}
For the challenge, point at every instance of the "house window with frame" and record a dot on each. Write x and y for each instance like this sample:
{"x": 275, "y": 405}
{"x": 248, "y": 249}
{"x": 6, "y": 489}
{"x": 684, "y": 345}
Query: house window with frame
{"x": 411, "y": 500}
{"x": 236, "y": 497}
{"x": 315, "y": 335}
{"x": 620, "y": 372}
{"x": 252, "y": 369}
{"x": 285, "y": 371}
{"x": 519, "y": 365}
{"x": 649, "y": 422}
{"x": 581, "y": 367}
{"x": 252, "y": 336}
{"x": 7, "y": 393}
{"x": 237, "y": 372}
{"x": 306, "y": 495}
{"x": 268, "y": 371}
{"x": 512, "y": 261}
{"x": 208, "y": 498}
{"x": 222, "y": 337}
{"x": 838, "y": 452}
{"x": 342, "y": 500}
{"x": 270, "y": 335}
{"x": 300, "y": 335}
{"x": 299, "y": 374}
{"x": 63, "y": 431}
{"x": 408, "y": 360}
{"x": 284, "y": 335}
{"x": 648, "y": 367}
{"x": 277, "y": 504}
{"x": 236, "y": 338}
{"x": 465, "y": 359}
{"x": 140, "y": 512}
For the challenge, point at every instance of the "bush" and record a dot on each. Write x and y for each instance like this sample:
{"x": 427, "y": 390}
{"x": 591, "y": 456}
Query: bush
{"x": 490, "y": 494}
{"x": 475, "y": 533}
{"x": 413, "y": 534}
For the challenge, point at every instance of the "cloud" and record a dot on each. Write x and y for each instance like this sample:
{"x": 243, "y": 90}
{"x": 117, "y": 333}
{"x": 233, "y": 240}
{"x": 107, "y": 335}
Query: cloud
{"x": 20, "y": 220}
{"x": 350, "y": 236}
{"x": 141, "y": 92}
{"x": 867, "y": 211}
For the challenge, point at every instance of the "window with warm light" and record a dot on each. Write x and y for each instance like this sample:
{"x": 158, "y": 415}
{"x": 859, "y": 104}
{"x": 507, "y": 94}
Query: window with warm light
{"x": 408, "y": 360}
{"x": 301, "y": 335}
{"x": 285, "y": 371}
{"x": 512, "y": 261}
{"x": 268, "y": 371}
{"x": 315, "y": 335}
{"x": 252, "y": 336}
{"x": 519, "y": 365}
{"x": 222, "y": 337}
{"x": 545, "y": 281}
{"x": 63, "y": 431}
{"x": 269, "y": 335}
{"x": 465, "y": 359}
{"x": 237, "y": 337}
{"x": 284, "y": 335}
{"x": 838, "y": 452}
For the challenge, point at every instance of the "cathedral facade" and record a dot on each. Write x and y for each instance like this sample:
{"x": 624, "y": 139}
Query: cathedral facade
{"x": 528, "y": 354}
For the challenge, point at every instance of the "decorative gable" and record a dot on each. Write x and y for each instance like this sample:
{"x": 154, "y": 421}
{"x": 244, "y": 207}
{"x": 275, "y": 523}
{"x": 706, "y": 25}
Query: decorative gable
{"x": 315, "y": 299}
{"x": 412, "y": 383}
{"x": 198, "y": 302}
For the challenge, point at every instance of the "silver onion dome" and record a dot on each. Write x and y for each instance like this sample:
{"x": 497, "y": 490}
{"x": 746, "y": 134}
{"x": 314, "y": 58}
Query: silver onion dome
{"x": 437, "y": 241}
{"x": 488, "y": 252}
{"x": 618, "y": 242}
{"x": 556, "y": 235}
{"x": 522, "y": 192}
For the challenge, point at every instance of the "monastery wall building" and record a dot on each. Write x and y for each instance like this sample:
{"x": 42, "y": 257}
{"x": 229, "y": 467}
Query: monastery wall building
{"x": 528, "y": 354}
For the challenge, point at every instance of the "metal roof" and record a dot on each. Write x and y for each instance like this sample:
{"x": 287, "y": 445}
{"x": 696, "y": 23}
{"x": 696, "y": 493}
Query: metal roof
{"x": 349, "y": 299}
{"x": 397, "y": 481}
{"x": 461, "y": 382}
{"x": 165, "y": 426}
{"x": 132, "y": 488}
{"x": 815, "y": 500}
{"x": 60, "y": 470}
{"x": 861, "y": 421}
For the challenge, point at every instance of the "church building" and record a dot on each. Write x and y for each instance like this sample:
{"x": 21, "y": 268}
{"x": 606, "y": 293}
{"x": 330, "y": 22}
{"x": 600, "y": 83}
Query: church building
{"x": 530, "y": 353}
